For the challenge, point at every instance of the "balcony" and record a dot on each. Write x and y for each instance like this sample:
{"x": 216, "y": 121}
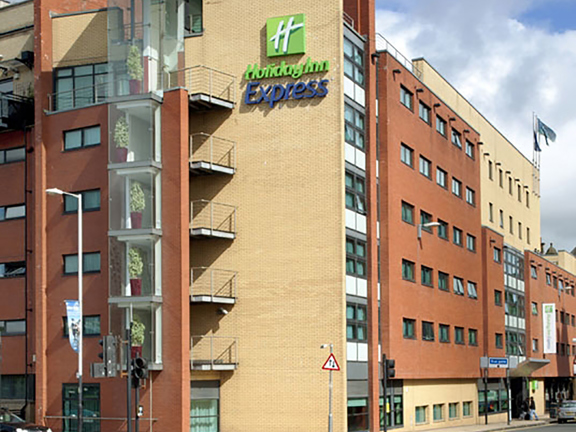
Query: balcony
{"x": 212, "y": 155}
{"x": 213, "y": 285}
{"x": 16, "y": 112}
{"x": 212, "y": 220}
{"x": 208, "y": 88}
{"x": 214, "y": 353}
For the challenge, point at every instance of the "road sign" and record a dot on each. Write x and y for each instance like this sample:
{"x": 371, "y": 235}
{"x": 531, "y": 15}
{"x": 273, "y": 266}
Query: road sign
{"x": 331, "y": 363}
{"x": 497, "y": 362}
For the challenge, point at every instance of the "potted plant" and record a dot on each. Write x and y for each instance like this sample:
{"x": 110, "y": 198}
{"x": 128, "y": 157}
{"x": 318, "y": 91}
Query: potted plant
{"x": 121, "y": 138}
{"x": 135, "y": 269}
{"x": 137, "y": 332}
{"x": 137, "y": 204}
{"x": 135, "y": 71}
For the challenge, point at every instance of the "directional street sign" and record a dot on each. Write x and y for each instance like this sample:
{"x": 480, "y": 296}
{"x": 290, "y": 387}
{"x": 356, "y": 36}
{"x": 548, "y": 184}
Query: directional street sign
{"x": 495, "y": 362}
{"x": 331, "y": 363}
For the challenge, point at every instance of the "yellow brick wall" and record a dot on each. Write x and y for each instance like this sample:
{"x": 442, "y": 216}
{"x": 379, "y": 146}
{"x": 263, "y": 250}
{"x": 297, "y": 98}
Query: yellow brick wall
{"x": 15, "y": 16}
{"x": 80, "y": 39}
{"x": 289, "y": 251}
{"x": 496, "y": 148}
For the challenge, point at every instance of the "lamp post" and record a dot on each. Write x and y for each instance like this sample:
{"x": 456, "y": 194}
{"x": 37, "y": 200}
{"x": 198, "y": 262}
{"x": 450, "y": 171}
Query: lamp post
{"x": 426, "y": 225}
{"x": 330, "y": 423}
{"x": 56, "y": 191}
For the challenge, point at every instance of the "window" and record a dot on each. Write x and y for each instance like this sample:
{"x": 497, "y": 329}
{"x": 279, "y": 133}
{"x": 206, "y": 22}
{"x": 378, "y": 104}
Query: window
{"x": 354, "y": 62}
{"x": 427, "y": 331}
{"x": 457, "y": 187}
{"x": 453, "y": 410}
{"x": 407, "y": 270}
{"x": 467, "y": 408}
{"x": 438, "y": 412}
{"x": 519, "y": 188}
{"x": 395, "y": 415}
{"x": 528, "y": 199}
{"x": 12, "y": 327}
{"x": 535, "y": 345}
{"x": 501, "y": 219}
{"x": 520, "y": 230}
{"x": 470, "y": 196}
{"x": 407, "y": 213}
{"x": 497, "y": 400}
{"x": 498, "y": 297}
{"x": 444, "y": 333}
{"x": 497, "y": 253}
{"x": 354, "y": 127}
{"x": 441, "y": 126}
{"x": 426, "y": 276}
{"x": 357, "y": 414}
{"x": 501, "y": 177}
{"x": 424, "y": 112}
{"x": 490, "y": 170}
{"x": 80, "y": 86}
{"x": 90, "y": 201}
{"x": 90, "y": 403}
{"x": 548, "y": 279}
{"x": 12, "y": 269}
{"x": 472, "y": 290}
{"x": 86, "y": 137}
{"x": 473, "y": 337}
{"x": 469, "y": 149}
{"x": 355, "y": 257}
{"x": 528, "y": 235}
{"x": 499, "y": 341}
{"x": 421, "y": 414}
{"x": 409, "y": 328}
{"x": 14, "y": 386}
{"x": 15, "y": 154}
{"x": 17, "y": 211}
{"x": 458, "y": 285}
{"x": 355, "y": 193}
{"x": 425, "y": 167}
{"x": 193, "y": 16}
{"x": 457, "y": 236}
{"x": 356, "y": 325}
{"x": 510, "y": 185}
{"x": 491, "y": 212}
{"x": 204, "y": 405}
{"x": 425, "y": 218}
{"x": 442, "y": 230}
{"x": 406, "y": 97}
{"x": 511, "y": 221}
{"x": 443, "y": 281}
{"x": 456, "y": 138}
{"x": 471, "y": 242}
{"x": 555, "y": 282}
{"x": 534, "y": 308}
{"x": 90, "y": 261}
{"x": 459, "y": 335}
{"x": 90, "y": 325}
{"x": 441, "y": 178}
{"x": 407, "y": 155}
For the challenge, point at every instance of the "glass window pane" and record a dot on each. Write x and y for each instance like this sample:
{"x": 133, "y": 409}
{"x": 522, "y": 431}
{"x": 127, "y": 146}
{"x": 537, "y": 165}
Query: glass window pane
{"x": 83, "y": 70}
{"x": 15, "y": 212}
{"x": 91, "y": 262}
{"x": 92, "y": 136}
{"x": 16, "y": 154}
{"x": 70, "y": 204}
{"x": 90, "y": 200}
{"x": 361, "y": 313}
{"x": 72, "y": 139}
{"x": 350, "y": 312}
{"x": 70, "y": 264}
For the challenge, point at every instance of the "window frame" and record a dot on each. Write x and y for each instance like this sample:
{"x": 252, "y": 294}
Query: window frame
{"x": 459, "y": 331}
{"x": 423, "y": 108}
{"x": 443, "y": 229}
{"x": 456, "y": 138}
{"x": 83, "y": 131}
{"x": 408, "y": 265}
{"x": 358, "y": 196}
{"x": 4, "y": 325}
{"x": 5, "y": 209}
{"x": 457, "y": 235}
{"x": 456, "y": 187}
{"x": 441, "y": 178}
{"x": 458, "y": 285}
{"x": 359, "y": 140}
{"x": 470, "y": 242}
{"x": 357, "y": 323}
{"x": 472, "y": 289}
{"x": 472, "y": 337}
{"x": 15, "y": 269}
{"x": 409, "y": 328}
{"x": 428, "y": 331}
{"x": 356, "y": 61}
{"x": 406, "y": 98}
{"x": 85, "y": 332}
{"x": 428, "y": 281}
{"x": 471, "y": 196}
{"x": 20, "y": 151}
{"x": 443, "y": 277}
{"x": 407, "y": 150}
{"x": 470, "y": 150}
{"x": 356, "y": 257}
{"x": 444, "y": 333}
{"x": 498, "y": 298}
{"x": 441, "y": 126}
{"x": 85, "y": 256}
{"x": 72, "y": 102}
{"x": 85, "y": 202}
{"x": 407, "y": 209}
{"x": 425, "y": 167}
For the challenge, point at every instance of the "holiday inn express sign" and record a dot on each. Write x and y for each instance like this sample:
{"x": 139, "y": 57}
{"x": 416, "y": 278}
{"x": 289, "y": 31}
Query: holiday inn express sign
{"x": 285, "y": 35}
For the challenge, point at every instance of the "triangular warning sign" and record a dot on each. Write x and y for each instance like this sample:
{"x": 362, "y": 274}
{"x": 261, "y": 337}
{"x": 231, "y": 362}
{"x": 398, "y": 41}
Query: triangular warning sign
{"x": 331, "y": 363}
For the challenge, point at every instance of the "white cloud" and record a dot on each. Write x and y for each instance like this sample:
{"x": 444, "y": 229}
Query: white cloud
{"x": 507, "y": 70}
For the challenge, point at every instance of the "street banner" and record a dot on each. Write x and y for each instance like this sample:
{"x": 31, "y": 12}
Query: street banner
{"x": 549, "y": 328}
{"x": 74, "y": 323}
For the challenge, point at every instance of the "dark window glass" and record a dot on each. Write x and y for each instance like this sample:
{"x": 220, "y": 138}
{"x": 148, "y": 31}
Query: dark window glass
{"x": 355, "y": 257}
{"x": 90, "y": 407}
{"x": 427, "y": 331}
{"x": 91, "y": 263}
{"x": 90, "y": 201}
{"x": 79, "y": 138}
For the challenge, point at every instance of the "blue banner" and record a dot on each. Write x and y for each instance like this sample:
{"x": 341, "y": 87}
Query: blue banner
{"x": 74, "y": 323}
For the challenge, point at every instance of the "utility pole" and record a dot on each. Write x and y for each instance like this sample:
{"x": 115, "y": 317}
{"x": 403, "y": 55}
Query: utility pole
{"x": 129, "y": 377}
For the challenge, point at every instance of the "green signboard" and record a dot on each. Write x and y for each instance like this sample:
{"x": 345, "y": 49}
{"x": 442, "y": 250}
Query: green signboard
{"x": 285, "y": 35}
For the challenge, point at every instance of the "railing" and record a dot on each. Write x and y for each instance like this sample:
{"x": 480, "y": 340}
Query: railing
{"x": 212, "y": 216}
{"x": 213, "y": 282}
{"x": 204, "y": 80}
{"x": 348, "y": 19}
{"x": 80, "y": 97}
{"x": 212, "y": 149}
{"x": 15, "y": 110}
{"x": 213, "y": 351}
{"x": 383, "y": 45}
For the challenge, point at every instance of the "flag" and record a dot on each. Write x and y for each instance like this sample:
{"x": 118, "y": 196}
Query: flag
{"x": 548, "y": 133}
{"x": 536, "y": 144}
{"x": 74, "y": 323}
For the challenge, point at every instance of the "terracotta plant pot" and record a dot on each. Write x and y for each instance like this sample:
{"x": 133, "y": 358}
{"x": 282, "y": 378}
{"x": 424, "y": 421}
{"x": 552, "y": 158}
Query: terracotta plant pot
{"x": 136, "y": 220}
{"x": 136, "y": 351}
{"x": 121, "y": 154}
{"x": 135, "y": 86}
{"x": 136, "y": 287}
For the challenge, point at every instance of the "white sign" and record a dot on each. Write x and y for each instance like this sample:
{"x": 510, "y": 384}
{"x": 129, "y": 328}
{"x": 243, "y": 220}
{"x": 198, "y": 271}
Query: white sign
{"x": 498, "y": 362}
{"x": 549, "y": 328}
{"x": 331, "y": 363}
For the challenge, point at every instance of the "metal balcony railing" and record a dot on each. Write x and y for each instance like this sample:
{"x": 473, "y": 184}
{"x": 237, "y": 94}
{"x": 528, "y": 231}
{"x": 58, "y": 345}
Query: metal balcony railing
{"x": 15, "y": 111}
{"x": 212, "y": 219}
{"x": 217, "y": 86}
{"x": 214, "y": 353}
{"x": 212, "y": 153}
{"x": 213, "y": 285}
{"x": 79, "y": 97}
{"x": 383, "y": 45}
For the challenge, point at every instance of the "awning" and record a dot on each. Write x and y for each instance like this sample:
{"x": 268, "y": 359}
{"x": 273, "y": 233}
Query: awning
{"x": 528, "y": 366}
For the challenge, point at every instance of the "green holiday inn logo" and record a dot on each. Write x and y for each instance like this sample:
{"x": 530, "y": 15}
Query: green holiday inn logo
{"x": 285, "y": 35}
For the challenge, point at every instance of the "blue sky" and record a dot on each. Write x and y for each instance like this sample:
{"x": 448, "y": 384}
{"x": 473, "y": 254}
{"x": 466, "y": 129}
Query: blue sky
{"x": 557, "y": 16}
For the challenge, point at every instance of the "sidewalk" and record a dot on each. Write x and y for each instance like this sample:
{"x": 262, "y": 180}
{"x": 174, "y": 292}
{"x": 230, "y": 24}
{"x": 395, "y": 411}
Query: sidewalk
{"x": 493, "y": 427}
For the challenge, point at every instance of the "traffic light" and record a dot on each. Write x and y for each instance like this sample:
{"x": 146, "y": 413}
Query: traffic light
{"x": 389, "y": 370}
{"x": 108, "y": 356}
{"x": 139, "y": 370}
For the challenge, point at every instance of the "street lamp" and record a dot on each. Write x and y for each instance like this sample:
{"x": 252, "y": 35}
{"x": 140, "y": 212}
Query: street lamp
{"x": 426, "y": 225}
{"x": 331, "y": 346}
{"x": 56, "y": 191}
